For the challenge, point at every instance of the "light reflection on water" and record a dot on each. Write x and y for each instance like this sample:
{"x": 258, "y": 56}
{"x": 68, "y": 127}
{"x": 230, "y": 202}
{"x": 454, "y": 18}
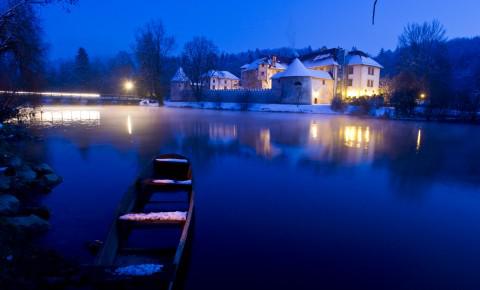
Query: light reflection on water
{"x": 329, "y": 201}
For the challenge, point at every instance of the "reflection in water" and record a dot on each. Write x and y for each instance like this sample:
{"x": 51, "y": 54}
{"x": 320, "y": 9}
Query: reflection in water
{"x": 419, "y": 139}
{"x": 129, "y": 125}
{"x": 222, "y": 133}
{"x": 68, "y": 116}
{"x": 264, "y": 144}
{"x": 314, "y": 130}
{"x": 356, "y": 137}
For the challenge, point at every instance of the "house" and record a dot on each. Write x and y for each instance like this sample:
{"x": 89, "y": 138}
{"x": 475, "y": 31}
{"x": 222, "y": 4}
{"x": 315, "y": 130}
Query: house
{"x": 180, "y": 87}
{"x": 300, "y": 85}
{"x": 362, "y": 75}
{"x": 222, "y": 80}
{"x": 258, "y": 74}
{"x": 324, "y": 60}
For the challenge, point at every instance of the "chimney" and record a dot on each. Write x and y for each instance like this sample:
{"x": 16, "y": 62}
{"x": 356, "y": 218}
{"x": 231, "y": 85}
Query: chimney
{"x": 274, "y": 60}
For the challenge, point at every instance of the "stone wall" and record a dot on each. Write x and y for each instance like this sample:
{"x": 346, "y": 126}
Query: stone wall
{"x": 293, "y": 90}
{"x": 241, "y": 96}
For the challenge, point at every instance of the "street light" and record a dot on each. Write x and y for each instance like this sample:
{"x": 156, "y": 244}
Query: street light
{"x": 128, "y": 85}
{"x": 422, "y": 96}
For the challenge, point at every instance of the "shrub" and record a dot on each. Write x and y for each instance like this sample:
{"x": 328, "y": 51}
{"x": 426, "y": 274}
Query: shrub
{"x": 337, "y": 105}
{"x": 404, "y": 102}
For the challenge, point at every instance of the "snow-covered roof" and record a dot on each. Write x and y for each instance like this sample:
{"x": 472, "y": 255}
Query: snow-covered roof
{"x": 318, "y": 62}
{"x": 264, "y": 60}
{"x": 362, "y": 60}
{"x": 180, "y": 76}
{"x": 297, "y": 69}
{"x": 222, "y": 75}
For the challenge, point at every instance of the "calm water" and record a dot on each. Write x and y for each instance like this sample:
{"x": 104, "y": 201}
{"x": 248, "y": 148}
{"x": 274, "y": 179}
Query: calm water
{"x": 284, "y": 201}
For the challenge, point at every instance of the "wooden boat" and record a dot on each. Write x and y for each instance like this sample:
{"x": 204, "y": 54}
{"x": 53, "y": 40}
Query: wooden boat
{"x": 146, "y": 242}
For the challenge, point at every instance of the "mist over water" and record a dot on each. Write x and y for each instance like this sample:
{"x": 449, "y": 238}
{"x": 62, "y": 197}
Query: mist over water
{"x": 284, "y": 201}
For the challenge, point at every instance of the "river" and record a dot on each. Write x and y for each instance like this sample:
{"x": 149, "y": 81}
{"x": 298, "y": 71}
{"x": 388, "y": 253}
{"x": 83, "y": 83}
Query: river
{"x": 284, "y": 201}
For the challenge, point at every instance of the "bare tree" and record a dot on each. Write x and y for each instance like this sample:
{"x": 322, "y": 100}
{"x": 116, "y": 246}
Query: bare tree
{"x": 153, "y": 46}
{"x": 423, "y": 55}
{"x": 10, "y": 11}
{"x": 198, "y": 58}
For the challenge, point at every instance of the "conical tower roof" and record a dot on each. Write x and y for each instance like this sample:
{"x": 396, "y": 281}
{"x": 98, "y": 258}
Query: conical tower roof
{"x": 180, "y": 76}
{"x": 297, "y": 69}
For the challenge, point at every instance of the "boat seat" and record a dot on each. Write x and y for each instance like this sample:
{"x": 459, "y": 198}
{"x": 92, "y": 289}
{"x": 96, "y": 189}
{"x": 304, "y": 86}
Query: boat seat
{"x": 171, "y": 160}
{"x": 153, "y": 184}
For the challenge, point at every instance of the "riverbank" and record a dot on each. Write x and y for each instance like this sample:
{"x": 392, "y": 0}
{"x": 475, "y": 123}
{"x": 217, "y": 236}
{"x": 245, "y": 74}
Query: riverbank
{"x": 23, "y": 265}
{"x": 450, "y": 116}
{"x": 283, "y": 108}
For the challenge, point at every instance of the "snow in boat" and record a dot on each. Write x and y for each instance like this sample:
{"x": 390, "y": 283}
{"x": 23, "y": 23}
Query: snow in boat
{"x": 139, "y": 270}
{"x": 155, "y": 216}
{"x": 171, "y": 160}
{"x": 170, "y": 181}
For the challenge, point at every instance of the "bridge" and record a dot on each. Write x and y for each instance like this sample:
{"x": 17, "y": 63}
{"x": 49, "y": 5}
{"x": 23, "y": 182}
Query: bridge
{"x": 75, "y": 98}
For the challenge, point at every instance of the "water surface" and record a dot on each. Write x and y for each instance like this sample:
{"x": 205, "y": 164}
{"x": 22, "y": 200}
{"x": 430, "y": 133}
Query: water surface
{"x": 284, "y": 201}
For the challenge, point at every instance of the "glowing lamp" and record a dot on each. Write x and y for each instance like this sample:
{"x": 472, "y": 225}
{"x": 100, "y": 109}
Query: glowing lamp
{"x": 128, "y": 85}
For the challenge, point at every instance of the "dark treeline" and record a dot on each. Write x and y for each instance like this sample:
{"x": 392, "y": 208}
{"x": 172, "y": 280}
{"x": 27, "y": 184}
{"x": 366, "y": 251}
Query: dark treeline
{"x": 427, "y": 69}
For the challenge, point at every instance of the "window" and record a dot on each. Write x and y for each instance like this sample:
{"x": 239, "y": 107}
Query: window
{"x": 225, "y": 87}
{"x": 213, "y": 87}
{"x": 350, "y": 70}
{"x": 323, "y": 82}
{"x": 370, "y": 83}
{"x": 298, "y": 84}
{"x": 263, "y": 73}
{"x": 371, "y": 71}
{"x": 213, "y": 80}
{"x": 225, "y": 81}
{"x": 350, "y": 82}
{"x": 315, "y": 101}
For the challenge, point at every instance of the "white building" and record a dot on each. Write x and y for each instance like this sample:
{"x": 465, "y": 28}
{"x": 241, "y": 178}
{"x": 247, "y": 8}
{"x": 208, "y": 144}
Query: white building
{"x": 325, "y": 60}
{"x": 300, "y": 85}
{"x": 362, "y": 75}
{"x": 222, "y": 80}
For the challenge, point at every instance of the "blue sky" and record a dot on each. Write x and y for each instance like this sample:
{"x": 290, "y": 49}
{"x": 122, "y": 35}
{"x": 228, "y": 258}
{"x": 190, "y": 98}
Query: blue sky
{"x": 107, "y": 26}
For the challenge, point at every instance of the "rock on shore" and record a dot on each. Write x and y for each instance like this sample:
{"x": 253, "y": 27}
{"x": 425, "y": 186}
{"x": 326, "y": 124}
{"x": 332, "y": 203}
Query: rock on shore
{"x": 9, "y": 205}
{"x": 31, "y": 224}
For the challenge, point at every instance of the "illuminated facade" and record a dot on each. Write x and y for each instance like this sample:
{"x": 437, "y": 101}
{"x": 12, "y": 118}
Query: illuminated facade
{"x": 362, "y": 76}
{"x": 325, "y": 60}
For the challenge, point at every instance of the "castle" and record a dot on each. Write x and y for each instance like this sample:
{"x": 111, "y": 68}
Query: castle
{"x": 311, "y": 79}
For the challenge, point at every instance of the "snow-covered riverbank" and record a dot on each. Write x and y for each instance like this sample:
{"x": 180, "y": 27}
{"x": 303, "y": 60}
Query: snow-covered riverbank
{"x": 312, "y": 109}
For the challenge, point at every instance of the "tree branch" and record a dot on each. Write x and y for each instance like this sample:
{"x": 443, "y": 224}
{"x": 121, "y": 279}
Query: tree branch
{"x": 374, "y": 11}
